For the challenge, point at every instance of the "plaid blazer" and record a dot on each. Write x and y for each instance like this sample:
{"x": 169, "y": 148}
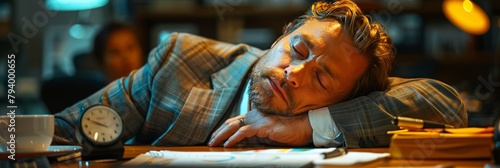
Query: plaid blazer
{"x": 177, "y": 98}
{"x": 189, "y": 82}
{"x": 365, "y": 120}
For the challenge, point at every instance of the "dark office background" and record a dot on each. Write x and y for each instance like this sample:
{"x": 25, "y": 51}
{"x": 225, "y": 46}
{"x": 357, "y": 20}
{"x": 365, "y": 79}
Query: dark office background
{"x": 428, "y": 44}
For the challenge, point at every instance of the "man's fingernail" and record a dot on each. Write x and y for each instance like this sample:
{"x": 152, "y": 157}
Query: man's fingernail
{"x": 225, "y": 143}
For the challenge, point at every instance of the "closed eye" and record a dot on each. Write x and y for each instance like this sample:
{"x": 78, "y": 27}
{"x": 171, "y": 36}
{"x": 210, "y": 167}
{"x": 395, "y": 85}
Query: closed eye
{"x": 301, "y": 56}
{"x": 319, "y": 80}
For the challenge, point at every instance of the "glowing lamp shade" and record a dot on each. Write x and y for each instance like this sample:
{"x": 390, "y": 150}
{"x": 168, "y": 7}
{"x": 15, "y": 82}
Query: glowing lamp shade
{"x": 72, "y": 5}
{"x": 467, "y": 16}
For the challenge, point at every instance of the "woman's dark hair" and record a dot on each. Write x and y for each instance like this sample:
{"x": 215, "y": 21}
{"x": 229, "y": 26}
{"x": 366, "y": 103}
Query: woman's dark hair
{"x": 101, "y": 39}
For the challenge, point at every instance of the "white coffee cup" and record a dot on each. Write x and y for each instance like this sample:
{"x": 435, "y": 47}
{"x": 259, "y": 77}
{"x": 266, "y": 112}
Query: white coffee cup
{"x": 26, "y": 133}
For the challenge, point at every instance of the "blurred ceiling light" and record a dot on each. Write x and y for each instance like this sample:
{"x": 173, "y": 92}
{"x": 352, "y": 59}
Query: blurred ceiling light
{"x": 77, "y": 31}
{"x": 72, "y": 5}
{"x": 467, "y": 16}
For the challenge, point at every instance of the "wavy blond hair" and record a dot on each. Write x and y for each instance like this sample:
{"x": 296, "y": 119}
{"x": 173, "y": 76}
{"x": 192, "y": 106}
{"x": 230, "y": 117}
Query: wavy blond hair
{"x": 370, "y": 39}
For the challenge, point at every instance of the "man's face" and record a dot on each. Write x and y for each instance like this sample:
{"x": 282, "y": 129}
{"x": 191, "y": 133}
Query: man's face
{"x": 312, "y": 67}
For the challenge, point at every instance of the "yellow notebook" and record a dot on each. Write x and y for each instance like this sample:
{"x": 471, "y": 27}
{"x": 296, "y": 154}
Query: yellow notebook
{"x": 459, "y": 143}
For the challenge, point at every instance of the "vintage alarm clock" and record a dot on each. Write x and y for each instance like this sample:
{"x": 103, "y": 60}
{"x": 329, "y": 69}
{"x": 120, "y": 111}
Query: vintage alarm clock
{"x": 99, "y": 132}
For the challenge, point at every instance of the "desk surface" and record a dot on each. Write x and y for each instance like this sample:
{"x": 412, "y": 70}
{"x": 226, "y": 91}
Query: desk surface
{"x": 133, "y": 151}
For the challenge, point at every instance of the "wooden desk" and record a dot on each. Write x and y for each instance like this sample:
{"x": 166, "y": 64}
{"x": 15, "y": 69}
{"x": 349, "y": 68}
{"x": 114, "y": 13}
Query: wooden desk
{"x": 132, "y": 151}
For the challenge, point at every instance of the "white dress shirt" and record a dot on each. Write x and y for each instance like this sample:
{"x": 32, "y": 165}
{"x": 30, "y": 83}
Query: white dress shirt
{"x": 245, "y": 100}
{"x": 324, "y": 129}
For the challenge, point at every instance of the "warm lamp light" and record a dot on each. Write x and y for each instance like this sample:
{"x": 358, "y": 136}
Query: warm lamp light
{"x": 467, "y": 16}
{"x": 467, "y": 4}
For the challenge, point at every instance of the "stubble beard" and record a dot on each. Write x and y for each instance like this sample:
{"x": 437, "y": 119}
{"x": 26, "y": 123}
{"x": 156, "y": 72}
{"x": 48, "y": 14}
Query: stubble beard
{"x": 261, "y": 97}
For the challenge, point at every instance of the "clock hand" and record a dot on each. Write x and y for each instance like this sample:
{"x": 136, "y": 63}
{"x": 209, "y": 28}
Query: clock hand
{"x": 98, "y": 123}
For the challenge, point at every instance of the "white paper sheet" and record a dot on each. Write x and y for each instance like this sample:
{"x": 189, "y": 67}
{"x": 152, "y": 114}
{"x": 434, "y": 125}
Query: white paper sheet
{"x": 351, "y": 158}
{"x": 296, "y": 157}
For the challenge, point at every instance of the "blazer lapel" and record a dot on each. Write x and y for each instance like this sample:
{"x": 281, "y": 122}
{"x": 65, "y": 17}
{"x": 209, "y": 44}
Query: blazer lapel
{"x": 231, "y": 77}
{"x": 205, "y": 107}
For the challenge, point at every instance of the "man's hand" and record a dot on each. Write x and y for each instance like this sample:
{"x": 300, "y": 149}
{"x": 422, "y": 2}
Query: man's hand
{"x": 293, "y": 131}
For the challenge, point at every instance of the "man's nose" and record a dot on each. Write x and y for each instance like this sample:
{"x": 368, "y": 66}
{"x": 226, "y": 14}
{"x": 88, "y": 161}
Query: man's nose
{"x": 294, "y": 75}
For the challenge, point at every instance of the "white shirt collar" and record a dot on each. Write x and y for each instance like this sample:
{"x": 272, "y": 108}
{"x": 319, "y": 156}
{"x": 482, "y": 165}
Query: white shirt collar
{"x": 245, "y": 100}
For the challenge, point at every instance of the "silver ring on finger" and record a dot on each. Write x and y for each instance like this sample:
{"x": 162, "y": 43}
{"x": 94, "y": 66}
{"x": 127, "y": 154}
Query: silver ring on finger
{"x": 241, "y": 121}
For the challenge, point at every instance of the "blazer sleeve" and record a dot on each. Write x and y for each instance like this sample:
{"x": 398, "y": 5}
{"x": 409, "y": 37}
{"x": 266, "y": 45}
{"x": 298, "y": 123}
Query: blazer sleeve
{"x": 151, "y": 99}
{"x": 364, "y": 121}
{"x": 129, "y": 96}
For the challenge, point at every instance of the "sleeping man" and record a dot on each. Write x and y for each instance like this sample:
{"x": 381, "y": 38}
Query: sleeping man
{"x": 324, "y": 82}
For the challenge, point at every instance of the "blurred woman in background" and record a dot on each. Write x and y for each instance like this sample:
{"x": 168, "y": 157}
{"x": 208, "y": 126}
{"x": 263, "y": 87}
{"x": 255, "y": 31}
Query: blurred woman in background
{"x": 117, "y": 50}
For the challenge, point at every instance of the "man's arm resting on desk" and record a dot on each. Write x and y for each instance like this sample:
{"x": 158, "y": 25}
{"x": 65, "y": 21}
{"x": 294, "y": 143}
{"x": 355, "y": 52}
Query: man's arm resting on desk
{"x": 363, "y": 121}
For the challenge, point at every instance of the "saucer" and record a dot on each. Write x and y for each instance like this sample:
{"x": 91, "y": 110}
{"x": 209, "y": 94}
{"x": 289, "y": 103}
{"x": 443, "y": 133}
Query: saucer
{"x": 53, "y": 150}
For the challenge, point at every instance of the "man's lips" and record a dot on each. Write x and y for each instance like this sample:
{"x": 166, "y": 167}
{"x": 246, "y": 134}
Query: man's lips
{"x": 277, "y": 89}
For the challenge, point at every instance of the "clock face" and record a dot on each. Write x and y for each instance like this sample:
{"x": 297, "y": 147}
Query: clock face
{"x": 101, "y": 125}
